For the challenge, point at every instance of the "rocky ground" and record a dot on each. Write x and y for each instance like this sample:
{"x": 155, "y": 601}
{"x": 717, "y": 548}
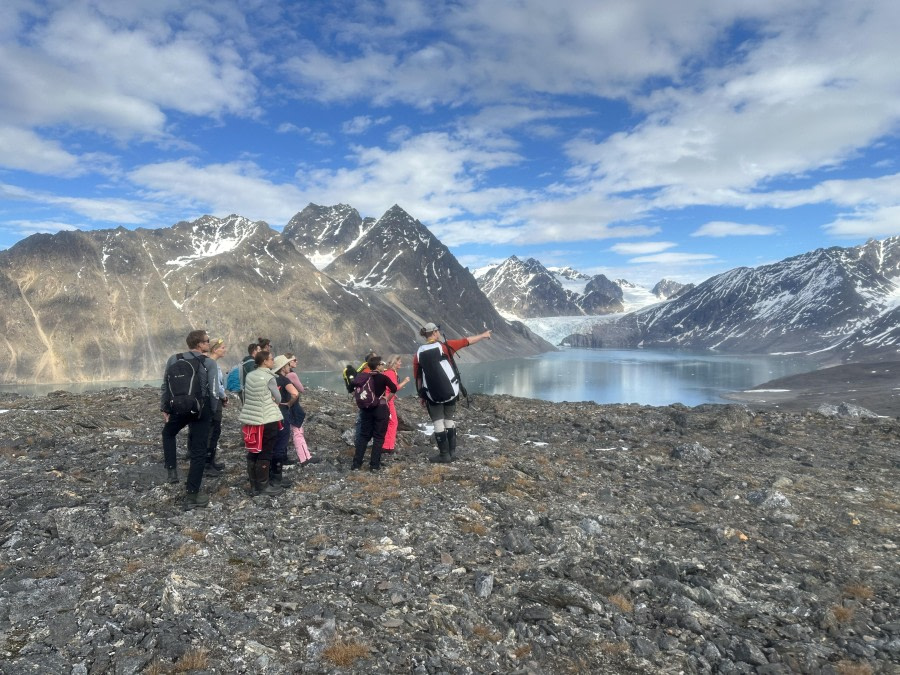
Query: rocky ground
{"x": 568, "y": 538}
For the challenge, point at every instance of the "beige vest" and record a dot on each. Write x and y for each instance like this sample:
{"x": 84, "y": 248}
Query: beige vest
{"x": 259, "y": 408}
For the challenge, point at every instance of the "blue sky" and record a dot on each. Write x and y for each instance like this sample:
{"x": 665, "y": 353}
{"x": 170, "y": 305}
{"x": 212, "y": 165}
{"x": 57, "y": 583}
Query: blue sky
{"x": 638, "y": 139}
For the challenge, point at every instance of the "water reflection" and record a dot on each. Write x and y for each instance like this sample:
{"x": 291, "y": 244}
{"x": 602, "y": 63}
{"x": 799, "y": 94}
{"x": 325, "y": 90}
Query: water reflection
{"x": 603, "y": 375}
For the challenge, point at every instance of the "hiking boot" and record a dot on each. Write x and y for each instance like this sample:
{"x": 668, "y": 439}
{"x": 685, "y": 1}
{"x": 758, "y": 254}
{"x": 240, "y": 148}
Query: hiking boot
{"x": 218, "y": 465}
{"x": 172, "y": 475}
{"x": 443, "y": 456}
{"x": 195, "y": 500}
{"x": 313, "y": 460}
{"x": 451, "y": 443}
{"x": 211, "y": 471}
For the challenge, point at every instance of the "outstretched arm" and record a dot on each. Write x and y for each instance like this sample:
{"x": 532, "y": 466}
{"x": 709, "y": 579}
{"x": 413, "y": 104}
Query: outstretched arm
{"x": 486, "y": 335}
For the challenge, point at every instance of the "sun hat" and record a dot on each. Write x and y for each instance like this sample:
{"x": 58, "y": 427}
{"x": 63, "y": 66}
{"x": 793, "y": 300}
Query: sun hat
{"x": 430, "y": 327}
{"x": 280, "y": 362}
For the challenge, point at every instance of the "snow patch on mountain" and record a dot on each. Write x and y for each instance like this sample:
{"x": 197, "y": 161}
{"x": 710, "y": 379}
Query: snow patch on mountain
{"x": 555, "y": 328}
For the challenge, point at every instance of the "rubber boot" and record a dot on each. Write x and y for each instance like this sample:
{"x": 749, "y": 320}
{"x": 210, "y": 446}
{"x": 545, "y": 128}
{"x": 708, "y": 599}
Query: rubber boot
{"x": 195, "y": 500}
{"x": 451, "y": 443}
{"x": 172, "y": 475}
{"x": 443, "y": 456}
{"x": 251, "y": 472}
{"x": 263, "y": 484}
{"x": 276, "y": 475}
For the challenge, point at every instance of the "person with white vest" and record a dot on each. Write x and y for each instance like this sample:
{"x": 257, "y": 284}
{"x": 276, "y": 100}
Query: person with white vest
{"x": 261, "y": 409}
{"x": 438, "y": 384}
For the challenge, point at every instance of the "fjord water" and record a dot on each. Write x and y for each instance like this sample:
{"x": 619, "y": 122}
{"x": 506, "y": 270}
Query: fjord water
{"x": 648, "y": 377}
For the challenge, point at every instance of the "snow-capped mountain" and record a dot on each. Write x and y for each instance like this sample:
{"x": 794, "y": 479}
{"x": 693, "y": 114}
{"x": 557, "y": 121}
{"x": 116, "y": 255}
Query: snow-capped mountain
{"x": 119, "y": 302}
{"x": 666, "y": 289}
{"x": 526, "y": 289}
{"x": 839, "y": 303}
{"x": 322, "y": 233}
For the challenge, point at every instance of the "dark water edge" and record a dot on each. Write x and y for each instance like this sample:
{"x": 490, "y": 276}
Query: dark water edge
{"x": 648, "y": 377}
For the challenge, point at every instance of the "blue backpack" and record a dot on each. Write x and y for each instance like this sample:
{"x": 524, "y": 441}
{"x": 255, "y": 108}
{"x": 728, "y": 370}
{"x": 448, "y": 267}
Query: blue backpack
{"x": 233, "y": 383}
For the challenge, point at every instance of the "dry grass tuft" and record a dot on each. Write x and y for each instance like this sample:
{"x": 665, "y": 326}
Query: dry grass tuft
{"x": 487, "y": 633}
{"x": 498, "y": 462}
{"x": 851, "y": 668}
{"x": 222, "y": 492}
{"x": 696, "y": 507}
{"x": 621, "y": 602}
{"x": 320, "y": 540}
{"x": 184, "y": 551}
{"x": 45, "y": 572}
{"x": 858, "y": 592}
{"x": 133, "y": 566}
{"x": 473, "y": 528}
{"x": 521, "y": 651}
{"x": 197, "y": 535}
{"x": 842, "y": 614}
{"x": 345, "y": 654}
{"x": 615, "y": 648}
{"x": 434, "y": 476}
{"x": 155, "y": 668}
{"x": 196, "y": 659}
{"x": 477, "y": 507}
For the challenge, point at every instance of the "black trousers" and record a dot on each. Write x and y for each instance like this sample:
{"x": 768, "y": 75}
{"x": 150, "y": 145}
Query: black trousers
{"x": 374, "y": 426}
{"x": 198, "y": 437}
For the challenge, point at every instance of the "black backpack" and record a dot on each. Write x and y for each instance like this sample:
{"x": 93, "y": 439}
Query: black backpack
{"x": 185, "y": 383}
{"x": 349, "y": 374}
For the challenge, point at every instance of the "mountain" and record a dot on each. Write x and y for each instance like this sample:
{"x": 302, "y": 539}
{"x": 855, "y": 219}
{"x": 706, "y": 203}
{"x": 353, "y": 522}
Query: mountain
{"x": 666, "y": 289}
{"x": 112, "y": 305}
{"x": 527, "y": 289}
{"x": 835, "y": 303}
{"x": 322, "y": 233}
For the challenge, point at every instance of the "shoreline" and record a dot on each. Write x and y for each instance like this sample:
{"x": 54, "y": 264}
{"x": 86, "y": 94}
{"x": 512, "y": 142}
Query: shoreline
{"x": 874, "y": 386}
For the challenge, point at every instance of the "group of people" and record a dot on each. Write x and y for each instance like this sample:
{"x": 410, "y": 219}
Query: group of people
{"x": 438, "y": 386}
{"x": 193, "y": 394}
{"x": 269, "y": 390}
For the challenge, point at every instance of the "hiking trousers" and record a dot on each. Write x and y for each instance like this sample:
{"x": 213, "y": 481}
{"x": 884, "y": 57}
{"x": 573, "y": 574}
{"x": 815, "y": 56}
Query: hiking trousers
{"x": 198, "y": 438}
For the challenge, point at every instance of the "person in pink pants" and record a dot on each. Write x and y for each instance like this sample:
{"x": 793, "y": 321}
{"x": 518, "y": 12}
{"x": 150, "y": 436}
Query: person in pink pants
{"x": 297, "y": 435}
{"x": 390, "y": 438}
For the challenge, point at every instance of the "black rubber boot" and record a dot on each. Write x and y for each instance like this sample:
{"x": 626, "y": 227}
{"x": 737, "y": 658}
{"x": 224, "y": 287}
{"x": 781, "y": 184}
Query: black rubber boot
{"x": 263, "y": 483}
{"x": 276, "y": 475}
{"x": 173, "y": 475}
{"x": 251, "y": 473}
{"x": 195, "y": 500}
{"x": 451, "y": 443}
{"x": 443, "y": 456}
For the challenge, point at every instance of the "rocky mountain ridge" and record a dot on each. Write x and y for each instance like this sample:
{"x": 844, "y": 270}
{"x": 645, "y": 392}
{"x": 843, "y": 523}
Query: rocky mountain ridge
{"x": 835, "y": 303}
{"x": 120, "y": 301}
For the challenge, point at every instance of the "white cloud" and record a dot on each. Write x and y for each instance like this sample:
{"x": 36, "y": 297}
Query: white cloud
{"x": 25, "y": 228}
{"x": 674, "y": 258}
{"x": 113, "y": 210}
{"x": 646, "y": 247}
{"x": 234, "y": 187}
{"x": 362, "y": 123}
{"x": 25, "y": 150}
{"x": 877, "y": 222}
{"x": 724, "y": 229}
{"x": 78, "y": 67}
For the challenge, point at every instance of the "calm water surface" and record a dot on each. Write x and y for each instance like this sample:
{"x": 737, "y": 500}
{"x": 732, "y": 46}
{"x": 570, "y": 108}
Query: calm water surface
{"x": 603, "y": 375}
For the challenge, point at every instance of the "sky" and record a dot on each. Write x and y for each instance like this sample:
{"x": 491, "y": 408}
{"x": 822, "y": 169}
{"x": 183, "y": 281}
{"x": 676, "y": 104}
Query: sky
{"x": 638, "y": 139}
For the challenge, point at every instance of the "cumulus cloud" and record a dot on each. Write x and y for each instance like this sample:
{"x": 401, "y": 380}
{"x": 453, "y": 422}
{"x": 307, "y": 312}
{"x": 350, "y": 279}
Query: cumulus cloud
{"x": 724, "y": 229}
{"x": 876, "y": 222}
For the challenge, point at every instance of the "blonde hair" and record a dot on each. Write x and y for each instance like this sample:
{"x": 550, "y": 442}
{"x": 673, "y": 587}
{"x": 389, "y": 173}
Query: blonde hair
{"x": 393, "y": 361}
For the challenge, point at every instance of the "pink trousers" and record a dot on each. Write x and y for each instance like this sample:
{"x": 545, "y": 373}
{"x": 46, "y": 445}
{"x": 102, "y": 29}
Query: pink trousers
{"x": 300, "y": 444}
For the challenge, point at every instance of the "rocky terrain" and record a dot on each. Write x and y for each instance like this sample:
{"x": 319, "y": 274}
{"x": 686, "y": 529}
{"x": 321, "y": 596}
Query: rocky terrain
{"x": 568, "y": 538}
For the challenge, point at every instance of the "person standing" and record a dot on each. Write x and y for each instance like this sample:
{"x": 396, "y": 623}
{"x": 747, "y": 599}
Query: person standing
{"x": 297, "y": 415}
{"x": 390, "y": 437}
{"x": 217, "y": 349}
{"x": 261, "y": 409}
{"x": 247, "y": 365}
{"x": 438, "y": 385}
{"x": 375, "y": 418}
{"x": 198, "y": 422}
{"x": 287, "y": 398}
